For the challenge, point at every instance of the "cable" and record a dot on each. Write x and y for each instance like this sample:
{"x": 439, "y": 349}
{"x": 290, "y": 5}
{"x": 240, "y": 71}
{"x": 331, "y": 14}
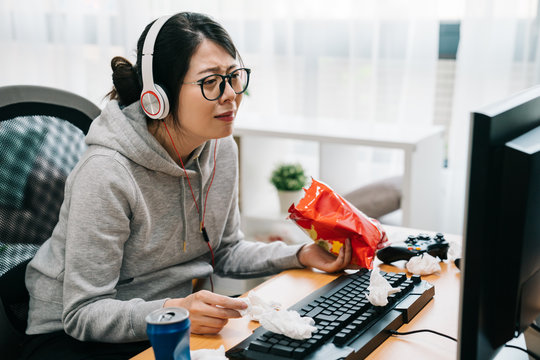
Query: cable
{"x": 202, "y": 229}
{"x": 182, "y": 163}
{"x": 535, "y": 327}
{"x": 533, "y": 355}
{"x": 394, "y": 332}
{"x": 209, "y": 186}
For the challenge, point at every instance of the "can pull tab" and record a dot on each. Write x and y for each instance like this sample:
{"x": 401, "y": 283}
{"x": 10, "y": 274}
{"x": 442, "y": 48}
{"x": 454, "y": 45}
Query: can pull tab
{"x": 165, "y": 317}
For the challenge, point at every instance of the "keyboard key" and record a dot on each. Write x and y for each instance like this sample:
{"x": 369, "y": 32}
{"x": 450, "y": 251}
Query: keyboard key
{"x": 259, "y": 346}
{"x": 314, "y": 312}
{"x": 281, "y": 350}
{"x": 295, "y": 344}
{"x": 323, "y": 317}
{"x": 339, "y": 339}
{"x": 300, "y": 352}
{"x": 331, "y": 329}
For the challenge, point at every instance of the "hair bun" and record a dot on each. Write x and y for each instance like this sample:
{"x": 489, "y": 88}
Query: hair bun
{"x": 119, "y": 62}
{"x": 126, "y": 83}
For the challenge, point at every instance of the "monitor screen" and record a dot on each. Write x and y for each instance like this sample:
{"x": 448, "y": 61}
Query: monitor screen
{"x": 500, "y": 280}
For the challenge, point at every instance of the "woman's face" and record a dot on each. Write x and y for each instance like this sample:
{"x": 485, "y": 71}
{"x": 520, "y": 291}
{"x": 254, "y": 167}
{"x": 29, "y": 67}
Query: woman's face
{"x": 201, "y": 119}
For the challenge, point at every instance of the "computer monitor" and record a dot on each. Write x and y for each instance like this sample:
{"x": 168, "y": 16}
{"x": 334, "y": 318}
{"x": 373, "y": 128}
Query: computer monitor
{"x": 500, "y": 279}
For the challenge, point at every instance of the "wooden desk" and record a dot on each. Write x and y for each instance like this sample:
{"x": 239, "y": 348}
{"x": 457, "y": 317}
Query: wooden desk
{"x": 288, "y": 287}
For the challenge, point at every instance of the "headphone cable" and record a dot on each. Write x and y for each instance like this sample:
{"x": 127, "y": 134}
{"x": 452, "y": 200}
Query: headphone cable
{"x": 202, "y": 229}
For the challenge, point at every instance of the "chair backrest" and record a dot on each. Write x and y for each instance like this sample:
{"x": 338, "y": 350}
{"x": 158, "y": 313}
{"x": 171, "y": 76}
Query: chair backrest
{"x": 41, "y": 139}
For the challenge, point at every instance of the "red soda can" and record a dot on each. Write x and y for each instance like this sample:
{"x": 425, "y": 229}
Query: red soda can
{"x": 168, "y": 332}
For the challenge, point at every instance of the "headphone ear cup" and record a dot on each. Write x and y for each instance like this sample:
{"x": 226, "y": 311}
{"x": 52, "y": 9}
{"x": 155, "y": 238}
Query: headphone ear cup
{"x": 164, "y": 101}
{"x": 154, "y": 102}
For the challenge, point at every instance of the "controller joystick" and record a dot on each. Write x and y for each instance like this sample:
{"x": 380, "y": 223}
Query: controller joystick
{"x": 415, "y": 245}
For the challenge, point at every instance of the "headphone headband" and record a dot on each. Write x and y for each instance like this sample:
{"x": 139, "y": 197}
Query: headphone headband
{"x": 154, "y": 100}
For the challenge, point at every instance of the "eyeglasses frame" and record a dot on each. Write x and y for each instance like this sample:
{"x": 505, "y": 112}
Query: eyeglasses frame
{"x": 224, "y": 78}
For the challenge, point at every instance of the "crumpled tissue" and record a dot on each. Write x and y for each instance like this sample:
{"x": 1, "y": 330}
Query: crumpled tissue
{"x": 285, "y": 322}
{"x": 454, "y": 250}
{"x": 209, "y": 354}
{"x": 257, "y": 306}
{"x": 423, "y": 264}
{"x": 379, "y": 289}
{"x": 288, "y": 323}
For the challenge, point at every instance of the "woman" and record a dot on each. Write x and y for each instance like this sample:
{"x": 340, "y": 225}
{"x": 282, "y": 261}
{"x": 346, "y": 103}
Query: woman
{"x": 153, "y": 204}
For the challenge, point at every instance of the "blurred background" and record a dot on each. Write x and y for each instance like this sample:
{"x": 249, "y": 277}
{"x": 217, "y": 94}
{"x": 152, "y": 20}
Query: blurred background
{"x": 416, "y": 63}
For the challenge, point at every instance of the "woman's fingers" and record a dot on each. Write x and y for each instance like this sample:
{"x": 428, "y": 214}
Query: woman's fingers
{"x": 209, "y": 321}
{"x": 219, "y": 306}
{"x": 209, "y": 312}
{"x": 197, "y": 328}
{"x": 344, "y": 257}
{"x": 221, "y": 300}
{"x": 348, "y": 252}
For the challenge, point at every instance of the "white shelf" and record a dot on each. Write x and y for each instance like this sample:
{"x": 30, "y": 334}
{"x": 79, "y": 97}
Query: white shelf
{"x": 337, "y": 131}
{"x": 329, "y": 141}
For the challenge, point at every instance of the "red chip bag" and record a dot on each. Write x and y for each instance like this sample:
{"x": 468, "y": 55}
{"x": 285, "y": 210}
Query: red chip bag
{"x": 329, "y": 220}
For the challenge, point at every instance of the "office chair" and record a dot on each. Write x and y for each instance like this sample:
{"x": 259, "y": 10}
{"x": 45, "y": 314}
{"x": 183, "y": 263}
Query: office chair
{"x": 41, "y": 139}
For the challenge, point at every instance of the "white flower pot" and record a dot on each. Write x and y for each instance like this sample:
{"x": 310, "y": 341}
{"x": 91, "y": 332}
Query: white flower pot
{"x": 287, "y": 198}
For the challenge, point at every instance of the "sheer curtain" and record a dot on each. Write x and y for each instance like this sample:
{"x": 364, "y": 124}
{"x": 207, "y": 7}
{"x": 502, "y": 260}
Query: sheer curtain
{"x": 365, "y": 60}
{"x": 499, "y": 54}
{"x": 336, "y": 62}
{"x": 370, "y": 61}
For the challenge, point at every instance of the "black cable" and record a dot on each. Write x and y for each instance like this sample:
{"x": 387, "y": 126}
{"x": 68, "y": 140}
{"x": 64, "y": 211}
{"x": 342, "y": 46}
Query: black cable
{"x": 394, "y": 332}
{"x": 533, "y": 355}
{"x": 535, "y": 327}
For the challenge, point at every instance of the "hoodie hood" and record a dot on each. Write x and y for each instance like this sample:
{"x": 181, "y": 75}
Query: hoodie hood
{"x": 125, "y": 131}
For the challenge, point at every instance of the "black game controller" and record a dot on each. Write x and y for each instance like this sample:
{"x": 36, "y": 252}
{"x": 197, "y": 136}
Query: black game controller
{"x": 415, "y": 245}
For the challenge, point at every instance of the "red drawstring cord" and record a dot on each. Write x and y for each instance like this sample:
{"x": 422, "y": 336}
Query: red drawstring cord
{"x": 206, "y": 197}
{"x": 185, "y": 172}
{"x": 201, "y": 228}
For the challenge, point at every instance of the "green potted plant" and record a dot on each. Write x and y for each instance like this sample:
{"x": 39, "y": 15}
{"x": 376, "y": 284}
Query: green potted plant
{"x": 289, "y": 180}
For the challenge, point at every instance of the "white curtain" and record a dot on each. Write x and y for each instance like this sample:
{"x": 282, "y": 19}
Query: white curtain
{"x": 499, "y": 54}
{"x": 372, "y": 61}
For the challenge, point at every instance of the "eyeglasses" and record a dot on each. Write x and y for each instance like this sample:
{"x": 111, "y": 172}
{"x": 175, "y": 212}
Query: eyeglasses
{"x": 213, "y": 86}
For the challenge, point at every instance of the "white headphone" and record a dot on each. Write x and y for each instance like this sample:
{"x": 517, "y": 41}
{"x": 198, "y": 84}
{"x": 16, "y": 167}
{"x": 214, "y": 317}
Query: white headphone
{"x": 154, "y": 100}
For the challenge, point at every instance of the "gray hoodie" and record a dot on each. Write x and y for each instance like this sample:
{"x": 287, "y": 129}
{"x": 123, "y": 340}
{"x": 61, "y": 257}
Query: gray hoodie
{"x": 117, "y": 252}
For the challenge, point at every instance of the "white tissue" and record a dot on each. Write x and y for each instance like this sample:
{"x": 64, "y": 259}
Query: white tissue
{"x": 288, "y": 323}
{"x": 257, "y": 306}
{"x": 423, "y": 264}
{"x": 454, "y": 250}
{"x": 209, "y": 354}
{"x": 379, "y": 289}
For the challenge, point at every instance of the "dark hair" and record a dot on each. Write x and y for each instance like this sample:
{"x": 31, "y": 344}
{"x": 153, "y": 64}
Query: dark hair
{"x": 176, "y": 42}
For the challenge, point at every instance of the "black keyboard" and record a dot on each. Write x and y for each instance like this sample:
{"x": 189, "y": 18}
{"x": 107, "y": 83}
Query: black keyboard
{"x": 348, "y": 326}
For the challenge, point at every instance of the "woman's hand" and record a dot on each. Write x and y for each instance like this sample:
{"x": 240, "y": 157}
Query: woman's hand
{"x": 208, "y": 312}
{"x": 312, "y": 255}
